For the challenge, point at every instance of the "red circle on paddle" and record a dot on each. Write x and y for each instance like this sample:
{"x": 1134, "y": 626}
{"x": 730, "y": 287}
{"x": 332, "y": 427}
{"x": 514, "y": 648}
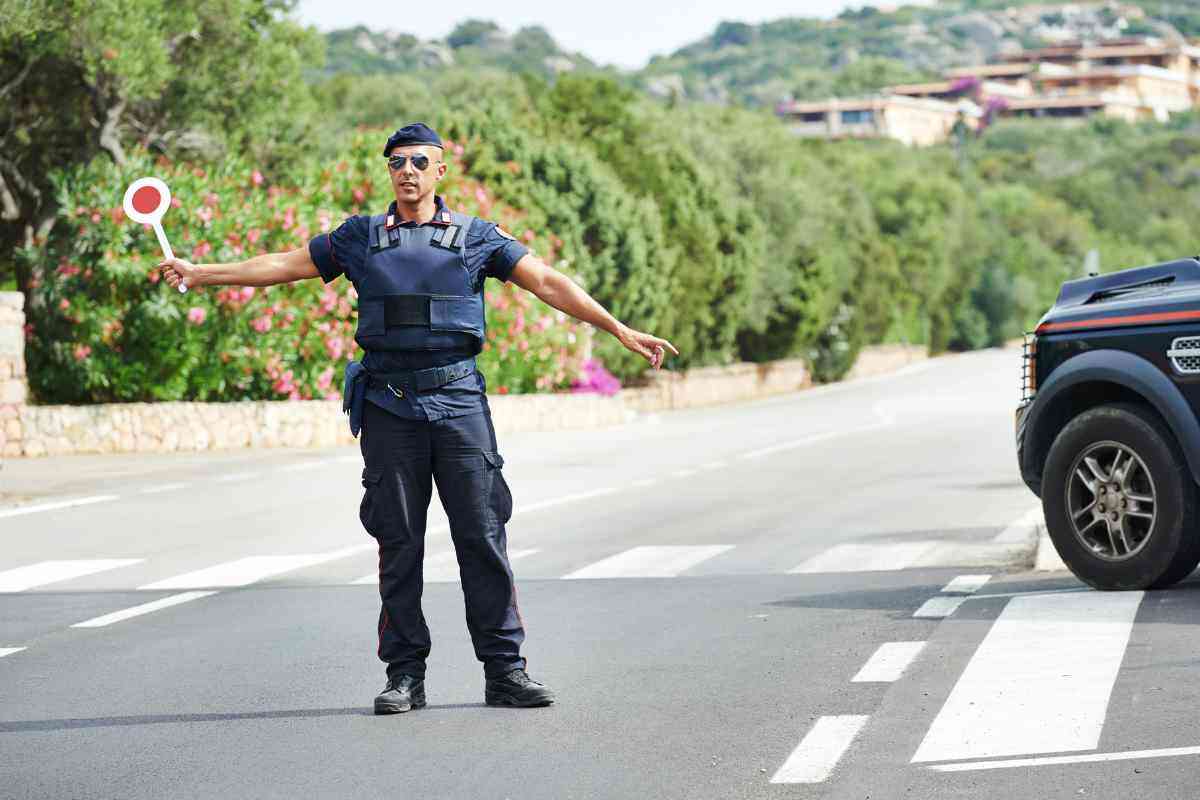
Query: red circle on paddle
{"x": 146, "y": 200}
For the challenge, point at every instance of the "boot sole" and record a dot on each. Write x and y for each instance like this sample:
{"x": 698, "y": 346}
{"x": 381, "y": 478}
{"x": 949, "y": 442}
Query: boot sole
{"x": 493, "y": 698}
{"x": 397, "y": 708}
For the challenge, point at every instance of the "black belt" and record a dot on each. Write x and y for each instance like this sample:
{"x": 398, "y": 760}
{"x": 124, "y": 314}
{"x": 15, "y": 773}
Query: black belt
{"x": 423, "y": 379}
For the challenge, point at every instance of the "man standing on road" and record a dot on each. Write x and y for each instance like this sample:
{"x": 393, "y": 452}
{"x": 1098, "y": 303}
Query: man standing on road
{"x": 419, "y": 271}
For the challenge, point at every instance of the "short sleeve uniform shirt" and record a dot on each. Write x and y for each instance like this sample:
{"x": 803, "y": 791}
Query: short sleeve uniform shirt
{"x": 344, "y": 252}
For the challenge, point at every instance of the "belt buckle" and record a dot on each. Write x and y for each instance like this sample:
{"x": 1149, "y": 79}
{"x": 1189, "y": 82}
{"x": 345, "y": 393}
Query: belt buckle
{"x": 398, "y": 392}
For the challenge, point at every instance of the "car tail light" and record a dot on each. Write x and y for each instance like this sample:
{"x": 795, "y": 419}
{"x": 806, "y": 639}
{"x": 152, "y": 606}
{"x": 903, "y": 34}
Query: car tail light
{"x": 1029, "y": 368}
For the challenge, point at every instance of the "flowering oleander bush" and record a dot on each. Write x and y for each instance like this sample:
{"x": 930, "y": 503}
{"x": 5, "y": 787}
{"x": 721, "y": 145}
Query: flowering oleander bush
{"x": 595, "y": 378}
{"x": 104, "y": 328}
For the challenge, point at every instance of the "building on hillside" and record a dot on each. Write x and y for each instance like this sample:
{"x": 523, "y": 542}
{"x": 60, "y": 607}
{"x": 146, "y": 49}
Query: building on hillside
{"x": 911, "y": 120}
{"x": 1131, "y": 79}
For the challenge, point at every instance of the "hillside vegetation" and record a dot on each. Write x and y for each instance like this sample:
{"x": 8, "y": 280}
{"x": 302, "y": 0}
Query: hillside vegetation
{"x": 709, "y": 225}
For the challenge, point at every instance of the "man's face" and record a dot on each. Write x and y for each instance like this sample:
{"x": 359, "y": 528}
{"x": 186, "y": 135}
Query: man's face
{"x": 412, "y": 184}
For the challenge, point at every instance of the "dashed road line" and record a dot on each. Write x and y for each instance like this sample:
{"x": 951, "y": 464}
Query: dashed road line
{"x": 939, "y": 607}
{"x": 1039, "y": 682}
{"x": 139, "y": 610}
{"x": 80, "y": 501}
{"x": 819, "y": 752}
{"x": 966, "y": 584}
{"x": 46, "y": 572}
{"x": 813, "y": 439}
{"x": 238, "y": 476}
{"x": 167, "y": 487}
{"x": 888, "y": 662}
{"x": 662, "y": 561}
{"x": 8, "y": 651}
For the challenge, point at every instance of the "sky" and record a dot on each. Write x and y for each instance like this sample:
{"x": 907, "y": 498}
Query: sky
{"x": 621, "y": 32}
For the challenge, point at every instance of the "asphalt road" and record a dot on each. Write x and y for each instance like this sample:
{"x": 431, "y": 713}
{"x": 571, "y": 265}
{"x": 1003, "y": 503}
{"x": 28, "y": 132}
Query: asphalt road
{"x": 821, "y": 595}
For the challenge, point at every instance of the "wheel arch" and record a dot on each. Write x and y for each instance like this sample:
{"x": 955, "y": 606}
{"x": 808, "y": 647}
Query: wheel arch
{"x": 1101, "y": 377}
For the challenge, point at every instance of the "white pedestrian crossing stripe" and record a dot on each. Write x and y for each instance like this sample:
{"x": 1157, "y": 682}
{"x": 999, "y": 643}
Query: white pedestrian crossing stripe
{"x": 46, "y": 572}
{"x": 245, "y": 571}
{"x": 866, "y": 557}
{"x": 663, "y": 561}
{"x": 443, "y": 567}
{"x": 1039, "y": 682}
{"x": 139, "y": 610}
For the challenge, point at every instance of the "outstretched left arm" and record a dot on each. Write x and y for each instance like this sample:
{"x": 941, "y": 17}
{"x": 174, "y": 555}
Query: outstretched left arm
{"x": 556, "y": 289}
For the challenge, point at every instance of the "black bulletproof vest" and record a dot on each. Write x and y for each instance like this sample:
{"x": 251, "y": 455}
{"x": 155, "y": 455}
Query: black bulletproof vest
{"x": 415, "y": 292}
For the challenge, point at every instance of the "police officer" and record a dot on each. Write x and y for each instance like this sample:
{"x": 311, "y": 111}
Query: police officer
{"x": 421, "y": 406}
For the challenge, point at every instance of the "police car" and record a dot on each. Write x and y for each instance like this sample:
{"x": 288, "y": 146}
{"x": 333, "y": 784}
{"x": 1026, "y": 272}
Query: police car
{"x": 1107, "y": 431}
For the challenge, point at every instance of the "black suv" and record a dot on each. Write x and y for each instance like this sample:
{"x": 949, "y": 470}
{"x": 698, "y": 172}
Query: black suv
{"x": 1107, "y": 430}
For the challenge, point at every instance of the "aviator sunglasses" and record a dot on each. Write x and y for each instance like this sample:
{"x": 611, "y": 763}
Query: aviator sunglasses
{"x": 420, "y": 161}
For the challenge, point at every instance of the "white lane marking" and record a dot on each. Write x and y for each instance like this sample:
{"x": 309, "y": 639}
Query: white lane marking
{"x": 938, "y": 607}
{"x": 82, "y": 501}
{"x": 644, "y": 482}
{"x": 654, "y": 561}
{"x": 443, "y": 568}
{"x": 1088, "y": 758}
{"x": 570, "y": 498}
{"x": 347, "y": 460}
{"x": 144, "y": 608}
{"x": 865, "y": 557}
{"x": 238, "y": 476}
{"x": 251, "y": 569}
{"x": 1040, "y": 681}
{"x": 44, "y": 572}
{"x": 1025, "y": 526}
{"x": 684, "y": 473}
{"x": 712, "y": 465}
{"x": 301, "y": 466}
{"x": 8, "y": 651}
{"x": 888, "y": 662}
{"x": 166, "y": 487}
{"x": 807, "y": 440}
{"x": 819, "y": 752}
{"x": 966, "y": 584}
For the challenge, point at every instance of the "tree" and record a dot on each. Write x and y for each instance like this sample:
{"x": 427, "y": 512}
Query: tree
{"x": 472, "y": 33}
{"x": 87, "y": 78}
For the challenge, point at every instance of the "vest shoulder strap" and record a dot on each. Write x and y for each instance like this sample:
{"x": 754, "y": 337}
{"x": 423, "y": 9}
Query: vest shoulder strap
{"x": 378, "y": 236}
{"x": 454, "y": 235}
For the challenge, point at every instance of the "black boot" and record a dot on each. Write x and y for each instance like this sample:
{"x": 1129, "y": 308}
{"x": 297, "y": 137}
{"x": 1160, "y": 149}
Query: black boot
{"x": 516, "y": 688}
{"x": 402, "y": 693}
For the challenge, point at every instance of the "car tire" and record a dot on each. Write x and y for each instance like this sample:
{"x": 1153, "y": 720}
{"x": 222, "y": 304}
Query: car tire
{"x": 1169, "y": 549}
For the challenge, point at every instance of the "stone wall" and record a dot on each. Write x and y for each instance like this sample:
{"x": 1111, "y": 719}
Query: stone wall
{"x": 13, "y": 389}
{"x": 31, "y": 430}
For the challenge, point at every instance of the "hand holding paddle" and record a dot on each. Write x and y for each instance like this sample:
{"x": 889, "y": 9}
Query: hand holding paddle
{"x": 146, "y": 200}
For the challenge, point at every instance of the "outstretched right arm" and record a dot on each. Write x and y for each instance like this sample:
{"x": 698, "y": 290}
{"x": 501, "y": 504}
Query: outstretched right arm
{"x": 265, "y": 270}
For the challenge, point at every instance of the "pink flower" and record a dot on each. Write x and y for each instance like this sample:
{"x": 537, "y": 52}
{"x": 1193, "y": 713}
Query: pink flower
{"x": 334, "y": 346}
{"x": 211, "y": 199}
{"x": 82, "y": 351}
{"x": 325, "y": 378}
{"x": 458, "y": 149}
{"x": 247, "y": 293}
{"x": 289, "y": 218}
{"x": 527, "y": 236}
{"x": 261, "y": 324}
{"x": 256, "y": 178}
{"x": 358, "y": 195}
{"x": 96, "y": 217}
{"x": 64, "y": 304}
{"x": 253, "y": 235}
{"x": 201, "y": 250}
{"x": 480, "y": 195}
{"x": 196, "y": 315}
{"x": 204, "y": 213}
{"x": 175, "y": 203}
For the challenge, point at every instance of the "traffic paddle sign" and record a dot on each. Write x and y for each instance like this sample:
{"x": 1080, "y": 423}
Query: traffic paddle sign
{"x": 146, "y": 200}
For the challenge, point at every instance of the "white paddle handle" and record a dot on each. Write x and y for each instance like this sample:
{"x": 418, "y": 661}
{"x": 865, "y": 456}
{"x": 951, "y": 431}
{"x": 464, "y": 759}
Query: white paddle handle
{"x": 166, "y": 248}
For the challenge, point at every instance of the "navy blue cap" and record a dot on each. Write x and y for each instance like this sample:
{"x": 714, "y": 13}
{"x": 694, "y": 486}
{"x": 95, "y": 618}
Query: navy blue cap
{"x": 416, "y": 133}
